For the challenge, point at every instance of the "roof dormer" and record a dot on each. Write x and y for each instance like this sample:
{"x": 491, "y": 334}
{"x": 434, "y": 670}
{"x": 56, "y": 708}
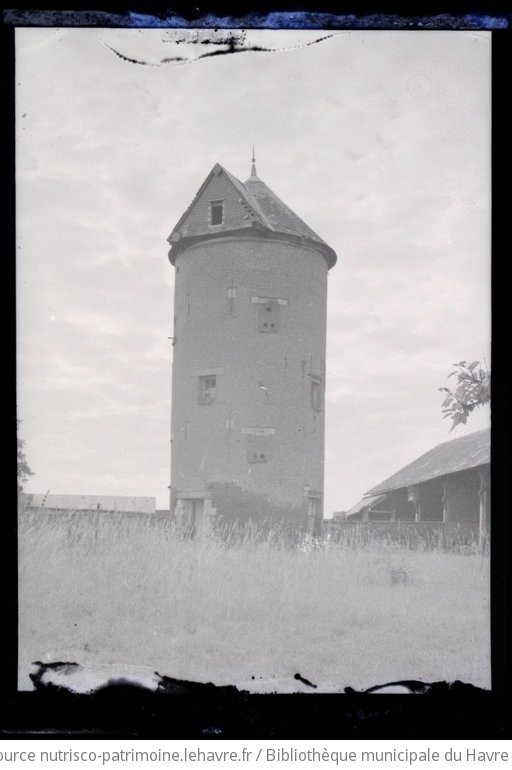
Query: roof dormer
{"x": 225, "y": 205}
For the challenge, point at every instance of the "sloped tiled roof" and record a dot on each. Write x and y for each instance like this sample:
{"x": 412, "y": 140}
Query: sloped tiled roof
{"x": 449, "y": 457}
{"x": 279, "y": 216}
{"x": 365, "y": 503}
{"x": 267, "y": 210}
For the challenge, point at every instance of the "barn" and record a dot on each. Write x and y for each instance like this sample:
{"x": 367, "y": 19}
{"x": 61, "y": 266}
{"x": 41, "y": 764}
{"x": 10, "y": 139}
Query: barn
{"x": 446, "y": 490}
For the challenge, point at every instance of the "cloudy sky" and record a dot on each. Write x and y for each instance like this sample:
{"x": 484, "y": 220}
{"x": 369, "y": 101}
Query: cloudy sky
{"x": 380, "y": 141}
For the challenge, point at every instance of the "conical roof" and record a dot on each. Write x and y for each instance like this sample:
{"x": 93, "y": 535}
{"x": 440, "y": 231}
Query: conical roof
{"x": 278, "y": 215}
{"x": 257, "y": 206}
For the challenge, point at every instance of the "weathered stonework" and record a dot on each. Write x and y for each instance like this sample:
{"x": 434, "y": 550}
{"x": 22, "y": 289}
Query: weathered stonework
{"x": 248, "y": 381}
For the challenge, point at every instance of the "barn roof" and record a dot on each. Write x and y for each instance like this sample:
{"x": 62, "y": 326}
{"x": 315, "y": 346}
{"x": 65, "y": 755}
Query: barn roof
{"x": 459, "y": 454}
{"x": 365, "y": 503}
{"x": 266, "y": 209}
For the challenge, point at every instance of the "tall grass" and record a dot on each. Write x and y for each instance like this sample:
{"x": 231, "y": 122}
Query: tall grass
{"x": 131, "y": 591}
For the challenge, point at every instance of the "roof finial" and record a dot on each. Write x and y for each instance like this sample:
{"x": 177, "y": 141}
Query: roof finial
{"x": 253, "y": 167}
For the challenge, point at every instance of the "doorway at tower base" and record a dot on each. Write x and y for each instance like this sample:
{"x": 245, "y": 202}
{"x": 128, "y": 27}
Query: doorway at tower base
{"x": 194, "y": 516}
{"x": 230, "y": 511}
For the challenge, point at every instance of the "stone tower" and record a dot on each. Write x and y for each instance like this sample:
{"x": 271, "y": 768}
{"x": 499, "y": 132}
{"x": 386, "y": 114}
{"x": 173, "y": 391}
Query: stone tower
{"x": 248, "y": 376}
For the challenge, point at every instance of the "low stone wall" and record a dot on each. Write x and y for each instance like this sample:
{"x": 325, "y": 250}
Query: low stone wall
{"x": 87, "y": 527}
{"x": 411, "y": 534}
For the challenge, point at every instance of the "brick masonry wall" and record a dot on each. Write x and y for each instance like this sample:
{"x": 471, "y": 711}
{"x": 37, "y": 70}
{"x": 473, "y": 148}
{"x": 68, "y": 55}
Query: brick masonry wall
{"x": 217, "y": 328}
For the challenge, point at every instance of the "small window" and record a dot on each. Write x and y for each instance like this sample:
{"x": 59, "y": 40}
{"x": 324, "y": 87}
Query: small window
{"x": 217, "y": 212}
{"x": 316, "y": 393}
{"x": 207, "y": 389}
{"x": 269, "y": 316}
{"x": 257, "y": 457}
{"x": 257, "y": 449}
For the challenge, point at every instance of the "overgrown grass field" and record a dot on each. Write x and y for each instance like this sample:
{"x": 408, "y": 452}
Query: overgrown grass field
{"x": 134, "y": 593}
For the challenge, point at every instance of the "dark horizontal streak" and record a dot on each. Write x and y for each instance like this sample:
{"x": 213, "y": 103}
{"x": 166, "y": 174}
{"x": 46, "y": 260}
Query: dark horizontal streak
{"x": 232, "y": 48}
{"x": 300, "y": 20}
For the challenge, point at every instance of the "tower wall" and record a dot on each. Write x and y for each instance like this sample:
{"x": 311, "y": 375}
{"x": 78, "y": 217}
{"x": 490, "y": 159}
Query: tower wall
{"x": 254, "y": 444}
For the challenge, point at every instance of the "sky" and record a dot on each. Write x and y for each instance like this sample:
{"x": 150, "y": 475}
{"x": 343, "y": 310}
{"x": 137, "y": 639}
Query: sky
{"x": 380, "y": 141}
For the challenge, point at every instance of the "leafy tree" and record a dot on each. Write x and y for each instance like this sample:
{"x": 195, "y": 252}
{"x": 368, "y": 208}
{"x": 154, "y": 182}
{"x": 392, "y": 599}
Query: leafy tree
{"x": 473, "y": 390}
{"x": 23, "y": 469}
